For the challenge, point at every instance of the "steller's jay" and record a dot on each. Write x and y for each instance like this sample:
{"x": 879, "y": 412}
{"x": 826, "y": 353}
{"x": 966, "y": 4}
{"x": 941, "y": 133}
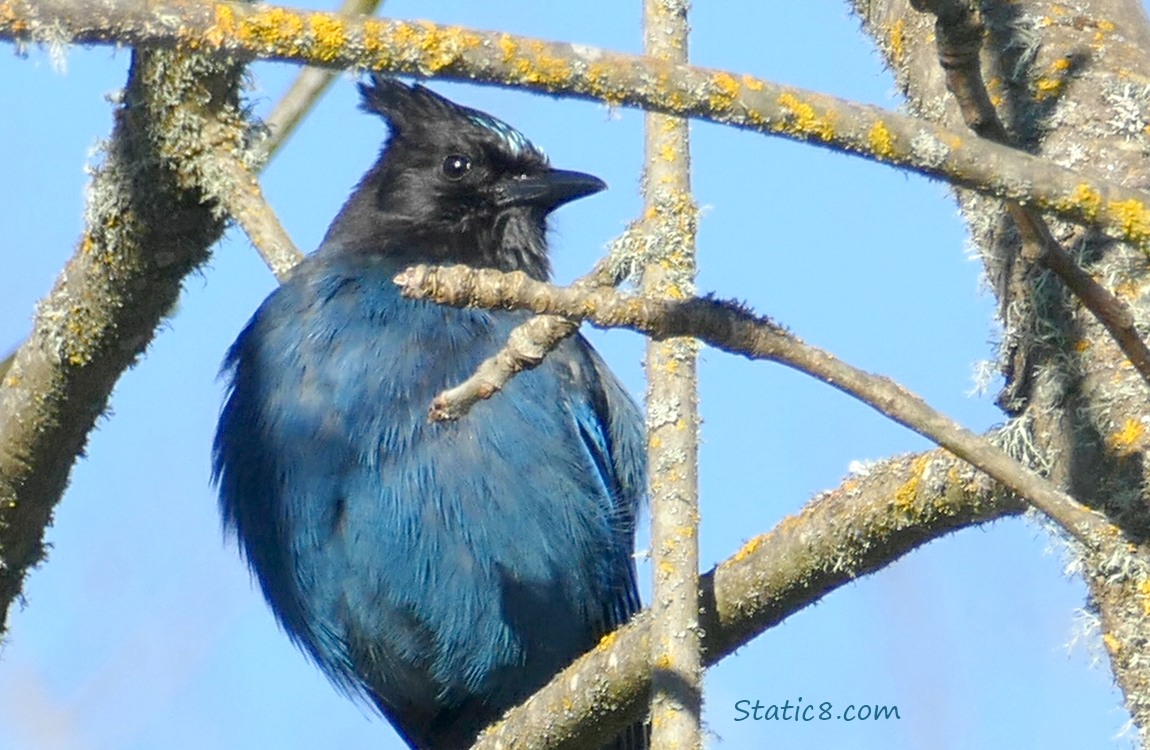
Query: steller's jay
{"x": 443, "y": 571}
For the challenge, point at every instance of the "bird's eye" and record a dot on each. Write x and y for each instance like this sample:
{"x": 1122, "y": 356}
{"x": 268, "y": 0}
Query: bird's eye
{"x": 456, "y": 166}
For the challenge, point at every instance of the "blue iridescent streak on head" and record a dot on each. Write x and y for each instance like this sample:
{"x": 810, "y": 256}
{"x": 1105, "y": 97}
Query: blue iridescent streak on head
{"x": 516, "y": 142}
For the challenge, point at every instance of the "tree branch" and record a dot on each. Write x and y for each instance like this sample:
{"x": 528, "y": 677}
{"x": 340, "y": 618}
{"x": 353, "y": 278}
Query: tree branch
{"x": 958, "y": 35}
{"x": 148, "y": 226}
{"x": 731, "y": 328}
{"x": 864, "y": 525}
{"x": 525, "y": 349}
{"x": 237, "y": 189}
{"x": 449, "y": 52}
{"x": 670, "y": 220}
{"x": 1061, "y": 83}
{"x": 307, "y": 88}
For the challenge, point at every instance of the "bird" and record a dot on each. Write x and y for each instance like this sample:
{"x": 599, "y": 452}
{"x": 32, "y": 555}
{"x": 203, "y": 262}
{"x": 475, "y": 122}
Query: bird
{"x": 441, "y": 572}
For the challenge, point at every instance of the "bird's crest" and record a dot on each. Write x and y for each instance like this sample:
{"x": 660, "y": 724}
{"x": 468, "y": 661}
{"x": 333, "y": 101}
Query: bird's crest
{"x": 406, "y": 107}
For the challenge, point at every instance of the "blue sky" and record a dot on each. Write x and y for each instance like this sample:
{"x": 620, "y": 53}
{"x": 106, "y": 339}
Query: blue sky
{"x": 143, "y": 630}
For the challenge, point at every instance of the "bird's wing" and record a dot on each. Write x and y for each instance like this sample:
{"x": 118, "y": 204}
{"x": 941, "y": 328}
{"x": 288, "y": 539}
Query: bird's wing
{"x": 610, "y": 426}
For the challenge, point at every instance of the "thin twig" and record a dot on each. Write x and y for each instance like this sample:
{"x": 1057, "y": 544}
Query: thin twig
{"x": 238, "y": 191}
{"x": 525, "y": 349}
{"x": 732, "y": 328}
{"x": 959, "y": 33}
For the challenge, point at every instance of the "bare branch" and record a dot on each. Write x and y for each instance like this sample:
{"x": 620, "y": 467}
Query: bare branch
{"x": 731, "y": 328}
{"x": 864, "y": 525}
{"x": 427, "y": 49}
{"x": 525, "y": 349}
{"x": 238, "y": 191}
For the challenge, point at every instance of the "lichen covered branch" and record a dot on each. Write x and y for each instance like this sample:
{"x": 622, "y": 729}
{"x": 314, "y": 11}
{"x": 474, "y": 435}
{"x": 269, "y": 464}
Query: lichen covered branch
{"x": 525, "y": 349}
{"x": 670, "y": 221}
{"x": 959, "y": 33}
{"x": 426, "y": 49}
{"x": 864, "y": 525}
{"x": 148, "y": 225}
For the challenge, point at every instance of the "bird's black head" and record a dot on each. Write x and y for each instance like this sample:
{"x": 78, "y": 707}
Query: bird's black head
{"x": 453, "y": 185}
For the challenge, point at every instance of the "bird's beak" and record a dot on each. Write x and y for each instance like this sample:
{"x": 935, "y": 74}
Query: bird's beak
{"x": 548, "y": 190}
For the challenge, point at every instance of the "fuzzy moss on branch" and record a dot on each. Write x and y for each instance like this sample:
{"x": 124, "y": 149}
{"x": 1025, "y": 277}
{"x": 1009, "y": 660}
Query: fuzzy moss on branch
{"x": 732, "y": 328}
{"x": 427, "y": 49}
{"x": 868, "y": 522}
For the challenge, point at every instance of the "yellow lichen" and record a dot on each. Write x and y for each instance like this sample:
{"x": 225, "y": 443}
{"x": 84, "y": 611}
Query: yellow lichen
{"x": 1084, "y": 200}
{"x": 1144, "y": 591}
{"x": 375, "y": 35}
{"x": 1112, "y": 644}
{"x": 1125, "y": 440}
{"x": 880, "y": 140}
{"x": 1133, "y": 216}
{"x": 905, "y": 495}
{"x": 329, "y": 36}
{"x": 508, "y": 47}
{"x": 953, "y": 477}
{"x": 896, "y": 40}
{"x": 600, "y": 80}
{"x": 726, "y": 92}
{"x": 437, "y": 47}
{"x": 224, "y": 26}
{"x": 1128, "y": 290}
{"x": 535, "y": 65}
{"x": 405, "y": 36}
{"x": 10, "y": 18}
{"x": 749, "y": 548}
{"x": 994, "y": 88}
{"x": 804, "y": 120}
{"x": 1052, "y": 82}
{"x": 271, "y": 28}
{"x": 752, "y": 83}
{"x": 1047, "y": 86}
{"x": 1081, "y": 345}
